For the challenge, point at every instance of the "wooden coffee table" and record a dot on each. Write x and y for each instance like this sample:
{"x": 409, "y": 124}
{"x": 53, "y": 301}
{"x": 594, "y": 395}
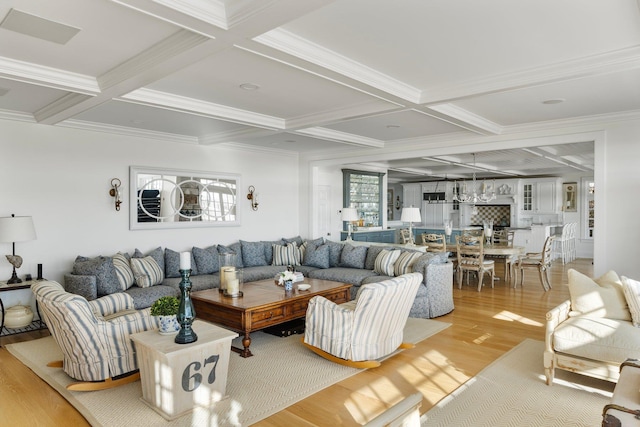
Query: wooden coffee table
{"x": 264, "y": 304}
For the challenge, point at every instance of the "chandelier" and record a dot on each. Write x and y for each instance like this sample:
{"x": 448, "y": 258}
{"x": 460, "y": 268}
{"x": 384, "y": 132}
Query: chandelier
{"x": 474, "y": 197}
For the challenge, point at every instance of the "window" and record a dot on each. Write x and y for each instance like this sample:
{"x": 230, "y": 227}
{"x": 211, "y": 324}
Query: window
{"x": 363, "y": 191}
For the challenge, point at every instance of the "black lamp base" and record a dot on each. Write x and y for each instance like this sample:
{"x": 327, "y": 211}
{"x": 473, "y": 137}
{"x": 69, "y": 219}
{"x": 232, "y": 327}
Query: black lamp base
{"x": 14, "y": 278}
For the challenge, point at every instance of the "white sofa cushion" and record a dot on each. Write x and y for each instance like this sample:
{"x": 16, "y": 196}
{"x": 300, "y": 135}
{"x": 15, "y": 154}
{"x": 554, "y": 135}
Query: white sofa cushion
{"x": 602, "y": 297}
{"x": 631, "y": 290}
{"x": 608, "y": 340}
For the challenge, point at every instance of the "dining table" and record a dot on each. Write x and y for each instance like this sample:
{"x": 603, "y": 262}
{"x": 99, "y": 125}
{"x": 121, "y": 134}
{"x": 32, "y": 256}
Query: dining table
{"x": 497, "y": 249}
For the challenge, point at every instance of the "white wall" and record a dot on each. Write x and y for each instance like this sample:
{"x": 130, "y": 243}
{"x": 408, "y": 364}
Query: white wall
{"x": 61, "y": 177}
{"x": 617, "y": 231}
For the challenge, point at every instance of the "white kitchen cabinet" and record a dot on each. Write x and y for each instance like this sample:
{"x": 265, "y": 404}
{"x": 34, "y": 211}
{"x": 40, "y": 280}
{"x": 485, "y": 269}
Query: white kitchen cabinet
{"x": 540, "y": 196}
{"x": 412, "y": 195}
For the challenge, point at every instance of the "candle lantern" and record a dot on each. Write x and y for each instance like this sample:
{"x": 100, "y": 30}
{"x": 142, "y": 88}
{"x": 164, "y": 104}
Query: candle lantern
{"x": 233, "y": 282}
{"x": 226, "y": 260}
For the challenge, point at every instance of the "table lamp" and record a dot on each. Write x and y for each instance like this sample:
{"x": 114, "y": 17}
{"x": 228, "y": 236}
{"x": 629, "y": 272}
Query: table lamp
{"x": 349, "y": 214}
{"x": 410, "y": 215}
{"x": 16, "y": 229}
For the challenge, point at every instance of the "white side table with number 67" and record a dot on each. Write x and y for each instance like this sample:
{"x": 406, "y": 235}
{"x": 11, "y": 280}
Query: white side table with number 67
{"x": 176, "y": 378}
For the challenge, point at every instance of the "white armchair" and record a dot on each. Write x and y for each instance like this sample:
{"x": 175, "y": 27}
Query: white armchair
{"x": 365, "y": 329}
{"x": 93, "y": 335}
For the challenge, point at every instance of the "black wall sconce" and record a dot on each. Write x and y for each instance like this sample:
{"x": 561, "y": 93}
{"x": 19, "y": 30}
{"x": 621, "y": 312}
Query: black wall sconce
{"x": 398, "y": 204}
{"x": 115, "y": 192}
{"x": 253, "y": 198}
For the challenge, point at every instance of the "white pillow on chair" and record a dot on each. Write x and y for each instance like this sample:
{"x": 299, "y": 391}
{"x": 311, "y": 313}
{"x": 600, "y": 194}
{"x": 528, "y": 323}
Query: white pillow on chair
{"x": 601, "y": 297}
{"x": 631, "y": 290}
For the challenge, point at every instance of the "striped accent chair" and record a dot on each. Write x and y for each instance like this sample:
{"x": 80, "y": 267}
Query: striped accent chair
{"x": 93, "y": 335}
{"x": 370, "y": 327}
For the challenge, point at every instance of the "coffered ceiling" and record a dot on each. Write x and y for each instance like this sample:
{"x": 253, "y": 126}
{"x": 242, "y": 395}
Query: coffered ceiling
{"x": 331, "y": 77}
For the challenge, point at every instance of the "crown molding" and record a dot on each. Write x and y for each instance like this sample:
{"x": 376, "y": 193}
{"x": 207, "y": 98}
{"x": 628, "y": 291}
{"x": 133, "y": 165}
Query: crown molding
{"x": 608, "y": 62}
{"x": 231, "y": 135}
{"x": 41, "y": 75}
{"x": 190, "y": 105}
{"x": 292, "y": 44}
{"x": 177, "y": 43}
{"x": 349, "y": 112}
{"x": 210, "y": 11}
{"x": 464, "y": 118}
{"x": 58, "y": 106}
{"x": 342, "y": 137}
{"x": 17, "y": 116}
{"x": 259, "y": 149}
{"x": 597, "y": 121}
{"x": 126, "y": 131}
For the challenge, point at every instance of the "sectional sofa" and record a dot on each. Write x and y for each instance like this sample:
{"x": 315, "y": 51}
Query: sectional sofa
{"x": 146, "y": 277}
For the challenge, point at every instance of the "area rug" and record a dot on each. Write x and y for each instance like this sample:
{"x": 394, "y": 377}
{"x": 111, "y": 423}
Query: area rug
{"x": 512, "y": 392}
{"x": 281, "y": 372}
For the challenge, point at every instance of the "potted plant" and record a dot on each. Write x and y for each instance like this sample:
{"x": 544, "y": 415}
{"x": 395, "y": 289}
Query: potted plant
{"x": 166, "y": 309}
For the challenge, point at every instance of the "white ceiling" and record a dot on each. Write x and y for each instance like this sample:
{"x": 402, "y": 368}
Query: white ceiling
{"x": 331, "y": 76}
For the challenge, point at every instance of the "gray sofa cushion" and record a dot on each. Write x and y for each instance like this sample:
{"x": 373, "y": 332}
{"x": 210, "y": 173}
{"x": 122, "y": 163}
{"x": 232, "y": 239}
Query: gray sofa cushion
{"x": 354, "y": 276}
{"x": 144, "y": 297}
{"x": 102, "y": 268}
{"x": 353, "y": 256}
{"x": 253, "y": 254}
{"x": 206, "y": 259}
{"x": 335, "y": 250}
{"x": 198, "y": 283}
{"x": 316, "y": 256}
{"x": 81, "y": 285}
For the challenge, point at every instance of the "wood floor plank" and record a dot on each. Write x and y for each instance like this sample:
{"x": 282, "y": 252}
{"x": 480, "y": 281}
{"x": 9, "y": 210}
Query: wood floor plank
{"x": 485, "y": 325}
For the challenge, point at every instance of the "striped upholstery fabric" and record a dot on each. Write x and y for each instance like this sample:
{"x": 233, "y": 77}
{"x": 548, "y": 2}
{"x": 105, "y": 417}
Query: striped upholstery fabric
{"x": 385, "y": 261}
{"x": 404, "y": 263}
{"x": 367, "y": 329}
{"x": 286, "y": 255}
{"x": 93, "y": 349}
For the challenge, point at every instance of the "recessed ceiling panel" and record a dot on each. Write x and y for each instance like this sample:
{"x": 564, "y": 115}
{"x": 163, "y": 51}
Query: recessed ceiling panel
{"x": 277, "y": 89}
{"x": 109, "y": 35}
{"x": 397, "y": 125}
{"x": 26, "y": 98}
{"x": 432, "y": 43}
{"x": 156, "y": 119}
{"x": 608, "y": 93}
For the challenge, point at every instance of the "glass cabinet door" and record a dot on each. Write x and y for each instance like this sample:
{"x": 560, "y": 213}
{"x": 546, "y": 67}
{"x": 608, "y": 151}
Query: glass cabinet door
{"x": 363, "y": 191}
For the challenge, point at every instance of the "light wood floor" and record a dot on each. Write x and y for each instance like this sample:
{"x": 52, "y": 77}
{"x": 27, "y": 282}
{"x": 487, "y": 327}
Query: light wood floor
{"x": 485, "y": 325}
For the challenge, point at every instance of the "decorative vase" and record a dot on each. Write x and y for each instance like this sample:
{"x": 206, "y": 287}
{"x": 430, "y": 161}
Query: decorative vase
{"x": 168, "y": 324}
{"x": 18, "y": 316}
{"x": 288, "y": 286}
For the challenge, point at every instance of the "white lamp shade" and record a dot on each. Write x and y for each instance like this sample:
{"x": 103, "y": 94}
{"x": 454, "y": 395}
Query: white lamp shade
{"x": 349, "y": 214}
{"x": 410, "y": 215}
{"x": 16, "y": 229}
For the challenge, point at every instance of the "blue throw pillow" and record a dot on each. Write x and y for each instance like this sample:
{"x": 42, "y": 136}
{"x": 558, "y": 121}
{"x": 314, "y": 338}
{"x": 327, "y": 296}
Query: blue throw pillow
{"x": 104, "y": 271}
{"x": 253, "y": 254}
{"x": 353, "y": 256}
{"x": 206, "y": 259}
{"x": 172, "y": 264}
{"x": 316, "y": 256}
{"x": 298, "y": 240}
{"x": 335, "y": 250}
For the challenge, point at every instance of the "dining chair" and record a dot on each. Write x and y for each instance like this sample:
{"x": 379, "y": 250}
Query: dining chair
{"x": 538, "y": 260}
{"x": 434, "y": 242}
{"x": 405, "y": 236}
{"x": 470, "y": 252}
{"x": 504, "y": 238}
